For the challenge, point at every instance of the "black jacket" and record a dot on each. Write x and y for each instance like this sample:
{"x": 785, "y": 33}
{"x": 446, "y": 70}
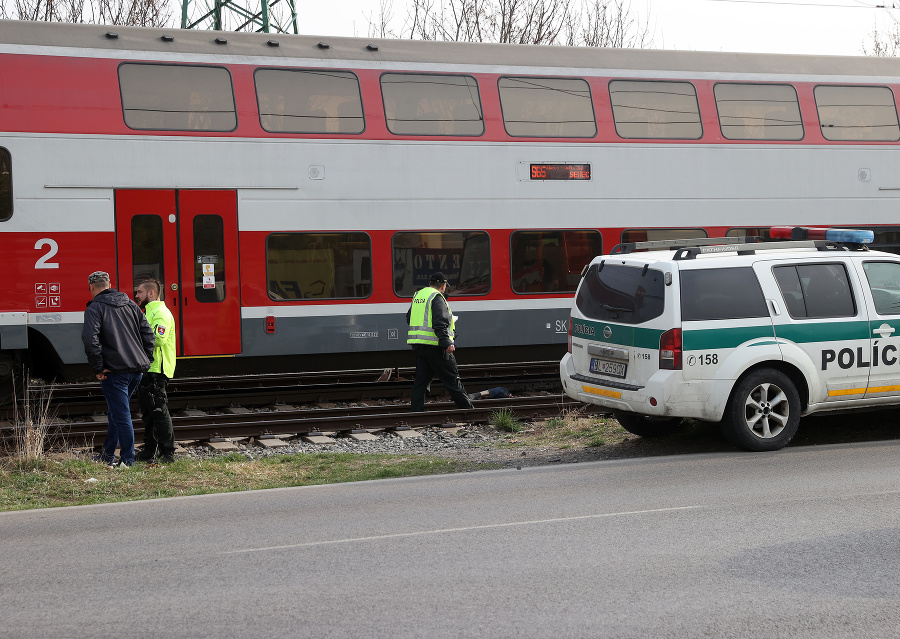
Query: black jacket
{"x": 116, "y": 334}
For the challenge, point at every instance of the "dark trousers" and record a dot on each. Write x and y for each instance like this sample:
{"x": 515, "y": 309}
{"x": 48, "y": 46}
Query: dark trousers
{"x": 431, "y": 362}
{"x": 159, "y": 435}
{"x": 118, "y": 389}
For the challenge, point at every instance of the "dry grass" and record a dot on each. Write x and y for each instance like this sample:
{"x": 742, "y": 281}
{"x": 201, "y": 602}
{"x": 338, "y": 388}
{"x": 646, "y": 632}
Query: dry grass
{"x": 31, "y": 425}
{"x": 573, "y": 428}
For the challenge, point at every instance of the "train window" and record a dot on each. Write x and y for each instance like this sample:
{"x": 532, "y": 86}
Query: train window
{"x": 147, "y": 249}
{"x": 857, "y": 113}
{"x": 551, "y": 261}
{"x": 653, "y": 109}
{"x": 177, "y": 97}
{"x": 297, "y": 101}
{"x": 758, "y": 111}
{"x": 6, "y": 199}
{"x": 431, "y": 104}
{"x": 547, "y": 107}
{"x": 209, "y": 258}
{"x": 651, "y": 235}
{"x": 762, "y": 234}
{"x": 464, "y": 257}
{"x": 319, "y": 266}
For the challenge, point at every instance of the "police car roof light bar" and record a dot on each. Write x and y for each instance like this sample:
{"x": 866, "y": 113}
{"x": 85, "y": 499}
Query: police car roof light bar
{"x": 850, "y": 236}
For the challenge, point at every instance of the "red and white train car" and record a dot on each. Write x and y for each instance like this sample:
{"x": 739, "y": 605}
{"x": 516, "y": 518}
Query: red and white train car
{"x": 293, "y": 192}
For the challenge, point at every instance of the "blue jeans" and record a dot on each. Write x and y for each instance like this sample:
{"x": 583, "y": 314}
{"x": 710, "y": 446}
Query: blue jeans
{"x": 117, "y": 389}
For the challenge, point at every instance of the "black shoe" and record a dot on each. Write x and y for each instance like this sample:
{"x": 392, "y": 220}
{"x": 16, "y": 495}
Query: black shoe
{"x": 166, "y": 459}
{"x": 145, "y": 456}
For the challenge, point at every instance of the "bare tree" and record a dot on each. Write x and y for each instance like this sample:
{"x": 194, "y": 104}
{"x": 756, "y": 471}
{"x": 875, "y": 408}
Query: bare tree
{"x": 141, "y": 13}
{"x": 144, "y": 13}
{"x": 379, "y": 27}
{"x": 609, "y": 24}
{"x": 596, "y": 23}
{"x": 885, "y": 42}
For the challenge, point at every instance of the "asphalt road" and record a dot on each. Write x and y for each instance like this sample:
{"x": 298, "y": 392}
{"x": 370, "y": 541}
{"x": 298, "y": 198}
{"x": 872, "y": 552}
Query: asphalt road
{"x": 798, "y": 543}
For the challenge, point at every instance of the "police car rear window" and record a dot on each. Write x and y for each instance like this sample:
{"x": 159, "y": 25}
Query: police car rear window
{"x": 721, "y": 293}
{"x": 623, "y": 294}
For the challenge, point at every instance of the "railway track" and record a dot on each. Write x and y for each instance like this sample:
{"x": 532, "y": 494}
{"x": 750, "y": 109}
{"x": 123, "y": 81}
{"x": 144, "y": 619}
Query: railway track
{"x": 70, "y": 401}
{"x": 263, "y": 406}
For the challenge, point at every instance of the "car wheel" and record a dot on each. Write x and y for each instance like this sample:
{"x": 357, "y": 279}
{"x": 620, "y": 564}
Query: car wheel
{"x": 645, "y": 426}
{"x": 763, "y": 412}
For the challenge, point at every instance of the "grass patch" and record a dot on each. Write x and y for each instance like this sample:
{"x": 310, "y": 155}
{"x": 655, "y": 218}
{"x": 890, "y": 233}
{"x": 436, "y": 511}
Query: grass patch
{"x": 66, "y": 480}
{"x": 505, "y": 420}
{"x": 570, "y": 430}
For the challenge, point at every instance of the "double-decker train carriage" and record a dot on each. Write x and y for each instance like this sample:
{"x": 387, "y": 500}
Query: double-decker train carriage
{"x": 292, "y": 193}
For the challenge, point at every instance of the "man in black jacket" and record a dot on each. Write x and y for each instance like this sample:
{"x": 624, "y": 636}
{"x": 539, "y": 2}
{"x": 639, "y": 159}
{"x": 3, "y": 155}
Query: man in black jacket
{"x": 431, "y": 333}
{"x": 118, "y": 343}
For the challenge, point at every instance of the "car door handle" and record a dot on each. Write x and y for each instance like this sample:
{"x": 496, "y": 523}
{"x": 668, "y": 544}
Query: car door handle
{"x": 774, "y": 306}
{"x": 884, "y": 330}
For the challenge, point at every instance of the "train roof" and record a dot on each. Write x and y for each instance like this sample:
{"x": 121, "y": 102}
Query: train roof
{"x": 15, "y": 34}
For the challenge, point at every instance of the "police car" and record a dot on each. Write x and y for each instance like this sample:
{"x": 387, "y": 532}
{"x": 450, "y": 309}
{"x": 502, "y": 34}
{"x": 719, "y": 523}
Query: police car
{"x": 749, "y": 334}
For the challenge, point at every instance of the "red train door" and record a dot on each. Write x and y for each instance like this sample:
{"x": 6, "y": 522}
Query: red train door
{"x": 187, "y": 240}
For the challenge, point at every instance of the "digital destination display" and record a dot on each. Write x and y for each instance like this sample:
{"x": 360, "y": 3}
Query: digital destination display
{"x": 560, "y": 171}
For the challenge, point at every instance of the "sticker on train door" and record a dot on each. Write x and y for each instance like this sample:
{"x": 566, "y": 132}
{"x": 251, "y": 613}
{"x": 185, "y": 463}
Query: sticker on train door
{"x": 209, "y": 278}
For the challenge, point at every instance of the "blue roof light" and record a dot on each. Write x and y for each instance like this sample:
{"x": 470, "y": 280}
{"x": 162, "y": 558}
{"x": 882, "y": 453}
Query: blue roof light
{"x": 850, "y": 235}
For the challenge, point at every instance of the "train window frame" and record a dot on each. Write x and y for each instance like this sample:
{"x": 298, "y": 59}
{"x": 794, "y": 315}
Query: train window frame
{"x": 796, "y": 102}
{"x": 201, "y": 239}
{"x": 741, "y": 231}
{"x": 444, "y": 270}
{"x": 823, "y": 127}
{"x": 6, "y": 157}
{"x": 177, "y": 65}
{"x": 590, "y": 96}
{"x": 479, "y": 106}
{"x": 515, "y": 286}
{"x": 702, "y": 233}
{"x": 309, "y": 71}
{"x": 609, "y": 88}
{"x": 301, "y": 300}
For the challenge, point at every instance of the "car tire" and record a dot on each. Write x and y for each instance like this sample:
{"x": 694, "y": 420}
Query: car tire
{"x": 645, "y": 426}
{"x": 763, "y": 412}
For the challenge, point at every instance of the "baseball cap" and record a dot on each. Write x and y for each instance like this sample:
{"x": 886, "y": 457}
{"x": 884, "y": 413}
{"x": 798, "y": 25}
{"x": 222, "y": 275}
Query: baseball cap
{"x": 438, "y": 278}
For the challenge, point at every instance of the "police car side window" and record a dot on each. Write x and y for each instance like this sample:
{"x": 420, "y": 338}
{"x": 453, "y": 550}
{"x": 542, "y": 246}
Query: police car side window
{"x": 721, "y": 293}
{"x": 884, "y": 282}
{"x": 815, "y": 290}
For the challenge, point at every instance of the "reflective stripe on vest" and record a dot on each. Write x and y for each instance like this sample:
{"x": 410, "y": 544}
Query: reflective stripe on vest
{"x": 421, "y": 330}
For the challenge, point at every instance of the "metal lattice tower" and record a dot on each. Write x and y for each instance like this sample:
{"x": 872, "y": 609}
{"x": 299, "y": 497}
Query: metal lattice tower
{"x": 279, "y": 16}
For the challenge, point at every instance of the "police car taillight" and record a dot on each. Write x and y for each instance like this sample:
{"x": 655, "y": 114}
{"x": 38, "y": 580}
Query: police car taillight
{"x": 670, "y": 350}
{"x": 852, "y": 236}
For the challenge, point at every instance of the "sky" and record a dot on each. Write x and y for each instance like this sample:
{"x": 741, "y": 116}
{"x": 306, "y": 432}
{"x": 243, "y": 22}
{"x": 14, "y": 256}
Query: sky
{"x": 817, "y": 27}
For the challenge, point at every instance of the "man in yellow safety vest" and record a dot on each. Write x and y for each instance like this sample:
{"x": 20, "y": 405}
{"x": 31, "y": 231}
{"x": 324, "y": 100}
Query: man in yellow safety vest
{"x": 159, "y": 435}
{"x": 431, "y": 327}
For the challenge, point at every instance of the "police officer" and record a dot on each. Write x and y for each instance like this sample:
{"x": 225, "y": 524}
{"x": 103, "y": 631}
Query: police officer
{"x": 159, "y": 435}
{"x": 431, "y": 336}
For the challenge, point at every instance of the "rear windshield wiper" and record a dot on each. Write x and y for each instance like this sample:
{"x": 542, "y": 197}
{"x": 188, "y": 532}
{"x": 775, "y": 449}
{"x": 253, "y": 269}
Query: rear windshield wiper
{"x": 616, "y": 309}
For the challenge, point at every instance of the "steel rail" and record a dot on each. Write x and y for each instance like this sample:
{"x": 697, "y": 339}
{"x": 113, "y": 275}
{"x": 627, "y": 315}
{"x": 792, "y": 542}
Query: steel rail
{"x": 328, "y": 420}
{"x": 73, "y": 400}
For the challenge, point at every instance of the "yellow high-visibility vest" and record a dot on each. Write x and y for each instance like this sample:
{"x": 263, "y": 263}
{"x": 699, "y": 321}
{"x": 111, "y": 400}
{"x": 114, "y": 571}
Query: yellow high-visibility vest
{"x": 421, "y": 329}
